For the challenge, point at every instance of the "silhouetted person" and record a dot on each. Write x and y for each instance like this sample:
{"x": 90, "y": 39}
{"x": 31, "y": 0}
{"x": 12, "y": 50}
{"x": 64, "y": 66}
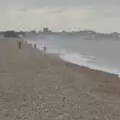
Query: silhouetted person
{"x": 35, "y": 46}
{"x": 19, "y": 44}
{"x": 45, "y": 48}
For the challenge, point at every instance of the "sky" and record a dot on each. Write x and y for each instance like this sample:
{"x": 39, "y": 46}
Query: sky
{"x": 69, "y": 15}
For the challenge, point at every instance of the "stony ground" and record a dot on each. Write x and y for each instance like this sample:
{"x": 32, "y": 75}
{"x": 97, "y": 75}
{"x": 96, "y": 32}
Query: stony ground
{"x": 36, "y": 86}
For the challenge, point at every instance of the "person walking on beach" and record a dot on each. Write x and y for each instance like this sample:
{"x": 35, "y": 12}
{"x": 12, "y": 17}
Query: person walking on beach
{"x": 44, "y": 48}
{"x": 35, "y": 46}
{"x": 19, "y": 43}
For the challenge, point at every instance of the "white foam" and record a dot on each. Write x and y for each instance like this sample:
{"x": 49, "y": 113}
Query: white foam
{"x": 75, "y": 58}
{"x": 30, "y": 42}
{"x": 86, "y": 61}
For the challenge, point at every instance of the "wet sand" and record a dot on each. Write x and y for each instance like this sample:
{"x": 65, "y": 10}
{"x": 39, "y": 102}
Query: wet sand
{"x": 37, "y": 86}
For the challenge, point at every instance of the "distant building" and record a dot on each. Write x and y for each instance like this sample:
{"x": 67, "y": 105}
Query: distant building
{"x": 33, "y": 32}
{"x": 10, "y": 34}
{"x": 63, "y": 31}
{"x": 46, "y": 30}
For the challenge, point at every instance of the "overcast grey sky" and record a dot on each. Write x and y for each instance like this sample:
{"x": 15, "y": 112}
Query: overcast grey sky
{"x": 99, "y": 15}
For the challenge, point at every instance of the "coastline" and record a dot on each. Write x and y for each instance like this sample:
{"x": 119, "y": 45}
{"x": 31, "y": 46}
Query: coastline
{"x": 79, "y": 59}
{"x": 93, "y": 74}
{"x": 34, "y": 85}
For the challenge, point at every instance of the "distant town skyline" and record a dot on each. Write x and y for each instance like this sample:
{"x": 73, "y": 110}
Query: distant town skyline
{"x": 98, "y": 15}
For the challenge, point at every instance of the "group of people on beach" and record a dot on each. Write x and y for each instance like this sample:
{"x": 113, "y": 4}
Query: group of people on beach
{"x": 42, "y": 46}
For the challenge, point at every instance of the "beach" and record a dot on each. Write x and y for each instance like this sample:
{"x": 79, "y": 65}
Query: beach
{"x": 39, "y": 86}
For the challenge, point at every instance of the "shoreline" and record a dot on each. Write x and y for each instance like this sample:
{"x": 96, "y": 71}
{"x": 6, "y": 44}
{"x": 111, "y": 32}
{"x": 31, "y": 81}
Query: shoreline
{"x": 83, "y": 66}
{"x": 76, "y": 65}
{"x": 89, "y": 69}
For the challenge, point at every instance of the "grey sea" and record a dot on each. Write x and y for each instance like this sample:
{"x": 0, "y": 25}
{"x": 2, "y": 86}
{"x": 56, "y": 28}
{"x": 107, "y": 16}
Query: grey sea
{"x": 99, "y": 54}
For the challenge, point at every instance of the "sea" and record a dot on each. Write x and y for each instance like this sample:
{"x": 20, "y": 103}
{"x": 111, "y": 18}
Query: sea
{"x": 99, "y": 54}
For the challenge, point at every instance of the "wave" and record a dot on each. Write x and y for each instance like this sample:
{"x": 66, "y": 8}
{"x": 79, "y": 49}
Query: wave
{"x": 89, "y": 62}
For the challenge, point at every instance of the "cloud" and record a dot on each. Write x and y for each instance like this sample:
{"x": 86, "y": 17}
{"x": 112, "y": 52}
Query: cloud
{"x": 44, "y": 3}
{"x": 100, "y": 15}
{"x": 53, "y": 17}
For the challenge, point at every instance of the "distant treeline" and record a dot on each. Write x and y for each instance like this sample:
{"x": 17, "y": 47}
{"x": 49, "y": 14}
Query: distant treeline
{"x": 87, "y": 34}
{"x": 12, "y": 34}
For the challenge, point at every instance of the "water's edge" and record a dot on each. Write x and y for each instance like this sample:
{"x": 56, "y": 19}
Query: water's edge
{"x": 79, "y": 60}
